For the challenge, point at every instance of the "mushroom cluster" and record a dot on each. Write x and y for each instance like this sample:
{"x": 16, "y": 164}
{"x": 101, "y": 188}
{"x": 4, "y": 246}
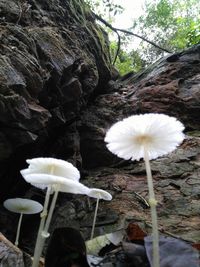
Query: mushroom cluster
{"x": 145, "y": 136}
{"x": 56, "y": 176}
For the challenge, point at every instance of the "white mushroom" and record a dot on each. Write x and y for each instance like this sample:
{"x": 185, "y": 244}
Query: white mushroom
{"x": 146, "y": 136}
{"x": 22, "y": 206}
{"x": 56, "y": 167}
{"x": 98, "y": 194}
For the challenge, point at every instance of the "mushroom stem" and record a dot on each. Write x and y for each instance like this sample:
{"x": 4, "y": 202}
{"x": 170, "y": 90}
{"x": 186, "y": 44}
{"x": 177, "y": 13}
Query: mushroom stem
{"x": 44, "y": 232}
{"x": 39, "y": 241}
{"x": 53, "y": 203}
{"x": 94, "y": 220}
{"x": 152, "y": 203}
{"x": 18, "y": 229}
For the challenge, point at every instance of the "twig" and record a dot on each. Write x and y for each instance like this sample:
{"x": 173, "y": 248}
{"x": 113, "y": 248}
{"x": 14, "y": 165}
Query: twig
{"x": 140, "y": 198}
{"x": 144, "y": 39}
{"x": 118, "y": 47}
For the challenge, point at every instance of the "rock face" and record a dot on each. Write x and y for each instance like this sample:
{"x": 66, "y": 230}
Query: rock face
{"x": 170, "y": 86}
{"x": 57, "y": 99}
{"x": 53, "y": 58}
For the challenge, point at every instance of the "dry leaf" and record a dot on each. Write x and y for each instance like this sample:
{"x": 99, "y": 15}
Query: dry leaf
{"x": 135, "y": 232}
{"x": 96, "y": 244}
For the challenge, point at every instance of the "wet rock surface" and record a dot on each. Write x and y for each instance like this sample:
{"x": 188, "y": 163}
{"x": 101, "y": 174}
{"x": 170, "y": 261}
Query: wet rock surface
{"x": 53, "y": 58}
{"x": 176, "y": 182}
{"x": 57, "y": 99}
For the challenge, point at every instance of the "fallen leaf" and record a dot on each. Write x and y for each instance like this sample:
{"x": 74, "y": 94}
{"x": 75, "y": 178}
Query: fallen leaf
{"x": 196, "y": 245}
{"x": 135, "y": 232}
{"x": 96, "y": 244}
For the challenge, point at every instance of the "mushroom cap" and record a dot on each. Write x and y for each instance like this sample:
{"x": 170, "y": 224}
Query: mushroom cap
{"x": 56, "y": 182}
{"x": 99, "y": 193}
{"x": 51, "y": 166}
{"x": 159, "y": 134}
{"x": 74, "y": 187}
{"x": 23, "y": 205}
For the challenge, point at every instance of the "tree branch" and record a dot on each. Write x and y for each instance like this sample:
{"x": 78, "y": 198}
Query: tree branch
{"x": 116, "y": 30}
{"x": 144, "y": 39}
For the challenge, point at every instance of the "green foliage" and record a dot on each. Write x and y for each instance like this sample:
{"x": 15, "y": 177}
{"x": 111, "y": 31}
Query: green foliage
{"x": 173, "y": 24}
{"x": 127, "y": 61}
{"x": 194, "y": 35}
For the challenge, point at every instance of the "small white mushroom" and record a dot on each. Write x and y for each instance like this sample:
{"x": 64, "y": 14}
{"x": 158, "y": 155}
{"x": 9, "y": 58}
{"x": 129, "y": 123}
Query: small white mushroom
{"x": 98, "y": 194}
{"x": 22, "y": 206}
